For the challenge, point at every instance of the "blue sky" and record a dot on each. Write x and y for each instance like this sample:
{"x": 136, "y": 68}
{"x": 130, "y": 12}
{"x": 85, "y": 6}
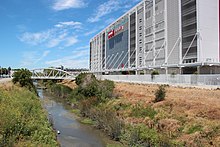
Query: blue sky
{"x": 45, "y": 33}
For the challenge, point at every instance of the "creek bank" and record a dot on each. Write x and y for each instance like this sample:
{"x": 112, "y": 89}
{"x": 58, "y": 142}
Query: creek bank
{"x": 71, "y": 132}
{"x": 96, "y": 100}
{"x": 62, "y": 94}
{"x": 23, "y": 122}
{"x": 187, "y": 116}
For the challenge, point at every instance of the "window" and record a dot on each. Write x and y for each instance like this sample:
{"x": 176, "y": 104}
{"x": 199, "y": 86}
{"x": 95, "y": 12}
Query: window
{"x": 140, "y": 41}
{"x": 140, "y": 34}
{"x": 157, "y": 1}
{"x": 140, "y": 49}
{"x": 148, "y": 14}
{"x": 140, "y": 60}
{"x": 140, "y": 20}
{"x": 148, "y": 30}
{"x": 140, "y": 28}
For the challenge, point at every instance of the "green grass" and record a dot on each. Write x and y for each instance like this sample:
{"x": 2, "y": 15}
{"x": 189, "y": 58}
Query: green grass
{"x": 76, "y": 111}
{"x": 140, "y": 111}
{"x": 114, "y": 145}
{"x": 194, "y": 128}
{"x": 87, "y": 121}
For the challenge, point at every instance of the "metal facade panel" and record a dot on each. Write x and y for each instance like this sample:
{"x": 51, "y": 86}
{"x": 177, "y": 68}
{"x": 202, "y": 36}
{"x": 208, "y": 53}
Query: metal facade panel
{"x": 208, "y": 27}
{"x": 173, "y": 31}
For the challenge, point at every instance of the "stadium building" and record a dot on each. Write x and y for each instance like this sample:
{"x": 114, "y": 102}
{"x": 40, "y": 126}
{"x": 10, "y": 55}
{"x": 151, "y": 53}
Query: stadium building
{"x": 170, "y": 36}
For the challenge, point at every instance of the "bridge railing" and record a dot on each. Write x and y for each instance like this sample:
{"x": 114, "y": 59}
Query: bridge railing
{"x": 51, "y": 73}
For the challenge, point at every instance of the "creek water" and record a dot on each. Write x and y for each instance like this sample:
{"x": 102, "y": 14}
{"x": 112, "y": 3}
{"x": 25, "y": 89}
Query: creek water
{"x": 72, "y": 132}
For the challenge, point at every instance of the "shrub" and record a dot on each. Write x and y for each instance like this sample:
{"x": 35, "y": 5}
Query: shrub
{"x": 58, "y": 90}
{"x": 88, "y": 89}
{"x": 140, "y": 135}
{"x": 106, "y": 119}
{"x": 82, "y": 77}
{"x": 23, "y": 77}
{"x": 173, "y": 74}
{"x": 140, "y": 111}
{"x": 105, "y": 90}
{"x": 160, "y": 94}
{"x": 89, "y": 86}
{"x": 153, "y": 73}
{"x": 23, "y": 122}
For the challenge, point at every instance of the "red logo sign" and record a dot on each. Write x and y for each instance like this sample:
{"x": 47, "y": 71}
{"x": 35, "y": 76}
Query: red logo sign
{"x": 111, "y": 34}
{"x": 119, "y": 29}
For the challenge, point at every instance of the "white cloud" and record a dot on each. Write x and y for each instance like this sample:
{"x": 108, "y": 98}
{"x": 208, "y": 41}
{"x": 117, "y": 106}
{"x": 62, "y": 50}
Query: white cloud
{"x": 35, "y": 38}
{"x": 67, "y": 4}
{"x": 104, "y": 9}
{"x": 109, "y": 7}
{"x": 61, "y": 35}
{"x": 71, "y": 41}
{"x": 90, "y": 32}
{"x": 82, "y": 47}
{"x": 94, "y": 30}
{"x": 109, "y": 21}
{"x": 56, "y": 40}
{"x": 69, "y": 24}
{"x": 45, "y": 53}
{"x": 33, "y": 57}
{"x": 78, "y": 59}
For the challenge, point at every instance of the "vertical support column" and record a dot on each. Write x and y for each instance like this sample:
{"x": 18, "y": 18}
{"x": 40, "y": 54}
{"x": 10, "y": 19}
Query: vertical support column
{"x": 144, "y": 28}
{"x": 96, "y": 54}
{"x": 166, "y": 34}
{"x": 154, "y": 30}
{"x": 198, "y": 69}
{"x": 219, "y": 29}
{"x": 129, "y": 38}
{"x": 105, "y": 49}
{"x": 100, "y": 51}
{"x": 136, "y": 37}
{"x": 198, "y": 30}
{"x": 180, "y": 32}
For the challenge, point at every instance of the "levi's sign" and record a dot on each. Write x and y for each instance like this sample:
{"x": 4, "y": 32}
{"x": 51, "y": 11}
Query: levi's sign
{"x": 113, "y": 32}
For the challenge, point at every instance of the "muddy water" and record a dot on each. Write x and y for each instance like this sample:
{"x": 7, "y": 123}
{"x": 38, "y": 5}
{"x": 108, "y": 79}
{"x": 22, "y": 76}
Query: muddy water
{"x": 72, "y": 133}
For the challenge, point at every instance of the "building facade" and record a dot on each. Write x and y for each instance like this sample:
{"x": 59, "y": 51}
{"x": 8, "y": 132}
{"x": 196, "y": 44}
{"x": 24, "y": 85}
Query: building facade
{"x": 170, "y": 36}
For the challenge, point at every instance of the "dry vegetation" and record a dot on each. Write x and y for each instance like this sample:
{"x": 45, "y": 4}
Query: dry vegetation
{"x": 188, "y": 116}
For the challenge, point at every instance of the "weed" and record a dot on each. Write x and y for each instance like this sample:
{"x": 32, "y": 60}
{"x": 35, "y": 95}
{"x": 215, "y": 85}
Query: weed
{"x": 140, "y": 111}
{"x": 87, "y": 121}
{"x": 194, "y": 128}
{"x": 153, "y": 73}
{"x": 160, "y": 94}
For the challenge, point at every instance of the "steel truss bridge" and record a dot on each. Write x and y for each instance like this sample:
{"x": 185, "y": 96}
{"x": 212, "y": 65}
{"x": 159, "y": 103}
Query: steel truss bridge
{"x": 52, "y": 74}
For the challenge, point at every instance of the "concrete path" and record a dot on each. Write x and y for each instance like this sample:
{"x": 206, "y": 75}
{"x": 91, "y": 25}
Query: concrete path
{"x": 5, "y": 80}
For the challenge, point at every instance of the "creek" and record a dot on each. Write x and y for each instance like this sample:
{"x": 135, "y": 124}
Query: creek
{"x": 72, "y": 133}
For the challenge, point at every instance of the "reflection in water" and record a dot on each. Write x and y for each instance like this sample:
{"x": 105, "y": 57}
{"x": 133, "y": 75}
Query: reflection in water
{"x": 72, "y": 133}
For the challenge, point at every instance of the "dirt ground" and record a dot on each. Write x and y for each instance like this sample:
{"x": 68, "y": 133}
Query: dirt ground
{"x": 182, "y": 109}
{"x": 189, "y": 115}
{"x": 192, "y": 101}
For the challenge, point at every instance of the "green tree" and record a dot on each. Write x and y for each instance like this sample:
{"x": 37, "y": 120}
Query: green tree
{"x": 9, "y": 71}
{"x": 23, "y": 77}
